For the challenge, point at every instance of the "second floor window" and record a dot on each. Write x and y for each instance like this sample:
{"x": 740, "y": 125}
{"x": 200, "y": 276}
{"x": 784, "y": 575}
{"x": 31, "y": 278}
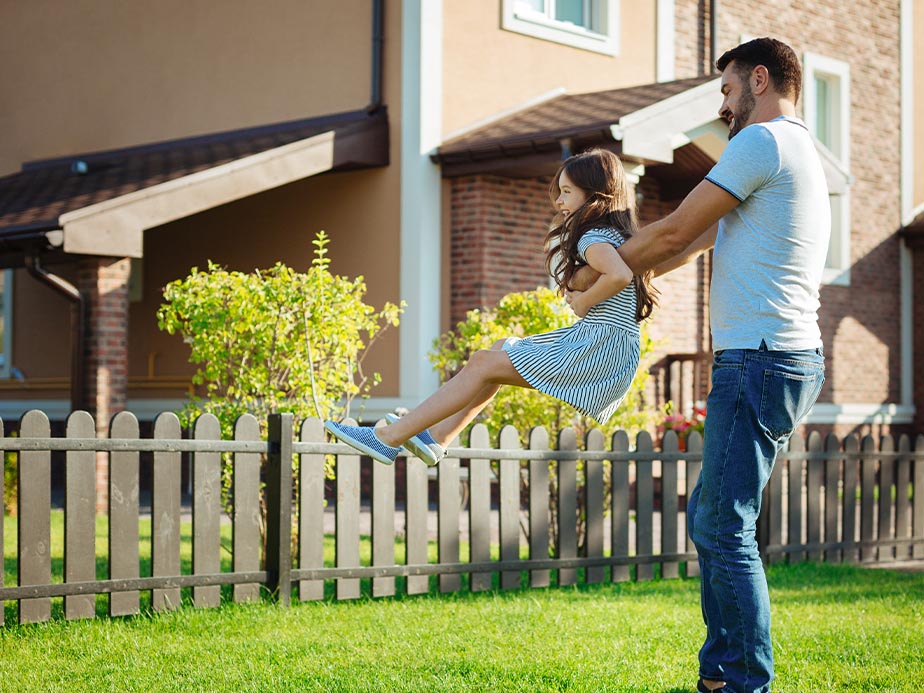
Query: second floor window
{"x": 588, "y": 24}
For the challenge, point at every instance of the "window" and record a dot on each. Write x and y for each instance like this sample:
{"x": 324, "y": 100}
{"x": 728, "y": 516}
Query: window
{"x": 826, "y": 105}
{"x": 589, "y": 24}
{"x": 6, "y": 322}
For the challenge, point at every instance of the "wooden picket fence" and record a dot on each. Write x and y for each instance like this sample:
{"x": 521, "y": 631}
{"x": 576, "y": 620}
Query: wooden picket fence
{"x": 831, "y": 500}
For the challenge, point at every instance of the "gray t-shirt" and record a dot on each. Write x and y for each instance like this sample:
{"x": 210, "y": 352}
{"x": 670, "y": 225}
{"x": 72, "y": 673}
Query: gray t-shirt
{"x": 770, "y": 250}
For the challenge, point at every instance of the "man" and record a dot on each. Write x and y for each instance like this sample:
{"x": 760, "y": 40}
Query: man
{"x": 768, "y": 194}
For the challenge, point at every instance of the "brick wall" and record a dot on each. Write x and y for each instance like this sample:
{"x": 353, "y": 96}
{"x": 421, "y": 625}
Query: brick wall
{"x": 498, "y": 229}
{"x": 103, "y": 282}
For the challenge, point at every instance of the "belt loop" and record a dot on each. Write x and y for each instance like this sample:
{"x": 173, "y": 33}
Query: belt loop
{"x": 763, "y": 345}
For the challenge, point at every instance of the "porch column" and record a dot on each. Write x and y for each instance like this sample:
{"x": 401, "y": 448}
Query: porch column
{"x": 103, "y": 282}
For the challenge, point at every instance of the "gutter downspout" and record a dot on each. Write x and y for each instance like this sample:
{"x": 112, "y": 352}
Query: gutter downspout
{"x": 78, "y": 325}
{"x": 378, "y": 42}
{"x": 713, "y": 34}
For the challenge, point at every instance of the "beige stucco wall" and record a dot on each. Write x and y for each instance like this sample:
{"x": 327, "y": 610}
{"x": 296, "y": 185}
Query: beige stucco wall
{"x": 100, "y": 74}
{"x": 487, "y": 69}
{"x": 918, "y": 43}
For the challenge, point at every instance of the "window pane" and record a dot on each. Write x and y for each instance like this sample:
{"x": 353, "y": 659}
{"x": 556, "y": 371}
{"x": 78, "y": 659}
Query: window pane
{"x": 833, "y": 261}
{"x": 571, "y": 11}
{"x": 823, "y": 111}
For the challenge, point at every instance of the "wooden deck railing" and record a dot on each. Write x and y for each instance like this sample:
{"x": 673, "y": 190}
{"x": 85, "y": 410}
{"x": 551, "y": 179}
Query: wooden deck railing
{"x": 617, "y": 506}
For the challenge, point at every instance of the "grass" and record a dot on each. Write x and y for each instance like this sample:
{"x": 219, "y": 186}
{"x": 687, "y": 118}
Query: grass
{"x": 836, "y": 628}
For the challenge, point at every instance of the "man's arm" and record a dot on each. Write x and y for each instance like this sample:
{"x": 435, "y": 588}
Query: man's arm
{"x": 677, "y": 238}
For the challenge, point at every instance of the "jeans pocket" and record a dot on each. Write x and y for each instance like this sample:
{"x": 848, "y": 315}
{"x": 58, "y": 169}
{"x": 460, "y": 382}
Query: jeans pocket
{"x": 786, "y": 399}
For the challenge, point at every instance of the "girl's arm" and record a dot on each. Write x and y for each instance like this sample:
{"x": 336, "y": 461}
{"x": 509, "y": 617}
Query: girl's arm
{"x": 614, "y": 276}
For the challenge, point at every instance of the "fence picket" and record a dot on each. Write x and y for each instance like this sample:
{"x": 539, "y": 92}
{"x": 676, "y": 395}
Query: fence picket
{"x": 849, "y": 529}
{"x": 80, "y": 517}
{"x": 814, "y": 474}
{"x": 917, "y": 513}
{"x": 644, "y": 507}
{"x": 416, "y": 514}
{"x": 902, "y": 498}
{"x": 694, "y": 466}
{"x": 567, "y": 506}
{"x": 479, "y": 508}
{"x": 449, "y": 512}
{"x": 886, "y": 485}
{"x": 34, "y": 526}
{"x": 383, "y": 526}
{"x": 123, "y": 515}
{"x": 246, "y": 508}
{"x": 796, "y": 481}
{"x": 619, "y": 507}
{"x": 832, "y": 481}
{"x": 669, "y": 507}
{"x": 311, "y": 510}
{"x": 593, "y": 509}
{"x": 509, "y": 508}
{"x": 539, "y": 511}
{"x": 868, "y": 468}
{"x": 165, "y": 513}
{"x": 347, "y": 521}
{"x": 206, "y": 512}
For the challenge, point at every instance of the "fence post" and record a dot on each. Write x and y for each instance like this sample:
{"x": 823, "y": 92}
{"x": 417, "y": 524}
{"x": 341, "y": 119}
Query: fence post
{"x": 279, "y": 507}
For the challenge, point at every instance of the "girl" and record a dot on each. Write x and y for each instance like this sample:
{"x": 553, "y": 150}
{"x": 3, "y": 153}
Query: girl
{"x": 589, "y": 365}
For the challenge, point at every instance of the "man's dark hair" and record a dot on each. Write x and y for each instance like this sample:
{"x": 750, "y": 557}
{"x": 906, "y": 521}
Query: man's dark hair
{"x": 780, "y": 60}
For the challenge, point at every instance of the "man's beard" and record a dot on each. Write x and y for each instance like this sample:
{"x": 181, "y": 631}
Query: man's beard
{"x": 745, "y": 108}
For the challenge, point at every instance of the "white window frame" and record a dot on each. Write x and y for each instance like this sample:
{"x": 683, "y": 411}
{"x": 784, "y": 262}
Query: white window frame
{"x": 6, "y": 355}
{"x": 836, "y": 72}
{"x": 522, "y": 19}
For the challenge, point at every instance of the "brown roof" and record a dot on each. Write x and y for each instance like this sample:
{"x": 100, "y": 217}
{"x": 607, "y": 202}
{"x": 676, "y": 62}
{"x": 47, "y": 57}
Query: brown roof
{"x": 32, "y": 200}
{"x": 580, "y": 118}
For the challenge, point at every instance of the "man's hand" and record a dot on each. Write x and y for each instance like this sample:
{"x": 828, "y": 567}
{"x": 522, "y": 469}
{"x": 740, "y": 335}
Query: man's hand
{"x": 584, "y": 278}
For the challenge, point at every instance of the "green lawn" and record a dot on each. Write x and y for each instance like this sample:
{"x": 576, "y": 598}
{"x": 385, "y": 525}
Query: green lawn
{"x": 836, "y": 628}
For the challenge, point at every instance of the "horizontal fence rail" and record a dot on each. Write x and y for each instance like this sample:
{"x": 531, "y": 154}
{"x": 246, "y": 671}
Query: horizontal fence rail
{"x": 257, "y": 510}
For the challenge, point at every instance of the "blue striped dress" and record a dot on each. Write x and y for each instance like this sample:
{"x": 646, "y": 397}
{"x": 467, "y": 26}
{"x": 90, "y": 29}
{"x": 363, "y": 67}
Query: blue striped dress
{"x": 591, "y": 364}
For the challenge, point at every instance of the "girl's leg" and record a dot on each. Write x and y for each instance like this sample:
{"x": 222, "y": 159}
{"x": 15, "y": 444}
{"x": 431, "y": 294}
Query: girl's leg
{"x": 459, "y": 400}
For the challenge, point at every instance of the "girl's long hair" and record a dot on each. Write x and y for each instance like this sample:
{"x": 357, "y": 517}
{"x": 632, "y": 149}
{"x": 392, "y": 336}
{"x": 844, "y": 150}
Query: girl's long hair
{"x": 599, "y": 174}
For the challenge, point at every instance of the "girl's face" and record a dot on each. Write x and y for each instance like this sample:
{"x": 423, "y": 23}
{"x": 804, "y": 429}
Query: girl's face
{"x": 570, "y": 197}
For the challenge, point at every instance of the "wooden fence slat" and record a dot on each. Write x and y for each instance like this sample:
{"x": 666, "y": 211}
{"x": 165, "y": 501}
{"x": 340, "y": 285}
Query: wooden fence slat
{"x": 795, "y": 484}
{"x": 311, "y": 510}
{"x": 34, "y": 525}
{"x": 279, "y": 433}
{"x": 868, "y": 468}
{"x": 567, "y": 506}
{"x": 479, "y": 508}
{"x": 80, "y": 516}
{"x": 123, "y": 515}
{"x": 509, "y": 508}
{"x": 2, "y": 513}
{"x": 166, "y": 487}
{"x": 539, "y": 511}
{"x": 694, "y": 466}
{"x": 449, "y": 514}
{"x": 886, "y": 489}
{"x": 832, "y": 481}
{"x": 903, "y": 499}
{"x": 245, "y": 527}
{"x": 849, "y": 530}
{"x": 206, "y": 512}
{"x": 593, "y": 510}
{"x": 347, "y": 523}
{"x": 644, "y": 507}
{"x": 814, "y": 474}
{"x": 383, "y": 526}
{"x": 669, "y": 506}
{"x": 417, "y": 510}
{"x": 917, "y": 513}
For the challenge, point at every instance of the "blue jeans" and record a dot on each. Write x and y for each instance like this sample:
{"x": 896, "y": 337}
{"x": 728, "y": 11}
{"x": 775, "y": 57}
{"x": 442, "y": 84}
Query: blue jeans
{"x": 757, "y": 399}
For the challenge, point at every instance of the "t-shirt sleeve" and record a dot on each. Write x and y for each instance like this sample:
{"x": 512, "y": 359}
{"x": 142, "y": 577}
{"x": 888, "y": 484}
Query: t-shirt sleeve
{"x": 593, "y": 236}
{"x": 749, "y": 161}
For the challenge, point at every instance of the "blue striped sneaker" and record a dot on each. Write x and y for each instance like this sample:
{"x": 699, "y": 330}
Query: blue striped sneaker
{"x": 363, "y": 438}
{"x": 422, "y": 445}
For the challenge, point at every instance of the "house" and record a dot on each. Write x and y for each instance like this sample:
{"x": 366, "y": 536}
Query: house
{"x": 421, "y": 135}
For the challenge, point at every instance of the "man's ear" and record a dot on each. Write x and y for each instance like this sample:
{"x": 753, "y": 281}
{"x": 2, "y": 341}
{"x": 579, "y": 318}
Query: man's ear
{"x": 760, "y": 79}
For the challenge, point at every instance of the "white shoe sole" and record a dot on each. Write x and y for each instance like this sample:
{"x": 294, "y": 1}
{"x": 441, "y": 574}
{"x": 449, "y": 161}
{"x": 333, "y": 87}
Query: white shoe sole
{"x": 416, "y": 446}
{"x": 357, "y": 444}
